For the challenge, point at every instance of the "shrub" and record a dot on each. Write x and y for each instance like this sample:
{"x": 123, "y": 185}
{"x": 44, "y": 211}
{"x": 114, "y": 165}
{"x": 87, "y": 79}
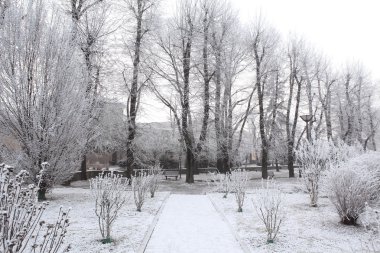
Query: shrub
{"x": 21, "y": 227}
{"x": 239, "y": 183}
{"x": 269, "y": 208}
{"x": 351, "y": 185}
{"x": 140, "y": 187}
{"x": 154, "y": 174}
{"x": 222, "y": 182}
{"x": 315, "y": 158}
{"x": 110, "y": 194}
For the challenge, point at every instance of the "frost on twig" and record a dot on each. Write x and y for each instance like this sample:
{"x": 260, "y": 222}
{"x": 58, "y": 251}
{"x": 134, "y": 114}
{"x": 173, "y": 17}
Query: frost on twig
{"x": 269, "y": 208}
{"x": 315, "y": 159}
{"x": 110, "y": 194}
{"x": 154, "y": 174}
{"x": 239, "y": 183}
{"x": 21, "y": 227}
{"x": 140, "y": 187}
{"x": 349, "y": 190}
{"x": 222, "y": 182}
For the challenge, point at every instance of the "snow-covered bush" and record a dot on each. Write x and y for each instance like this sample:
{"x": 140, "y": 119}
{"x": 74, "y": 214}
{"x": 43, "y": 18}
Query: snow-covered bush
{"x": 351, "y": 185}
{"x": 140, "y": 187}
{"x": 21, "y": 227}
{"x": 239, "y": 183}
{"x": 110, "y": 194}
{"x": 314, "y": 158}
{"x": 222, "y": 182}
{"x": 269, "y": 208}
{"x": 154, "y": 174}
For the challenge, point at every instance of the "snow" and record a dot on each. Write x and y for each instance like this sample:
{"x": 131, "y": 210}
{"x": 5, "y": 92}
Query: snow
{"x": 305, "y": 228}
{"x": 190, "y": 223}
{"x": 83, "y": 233}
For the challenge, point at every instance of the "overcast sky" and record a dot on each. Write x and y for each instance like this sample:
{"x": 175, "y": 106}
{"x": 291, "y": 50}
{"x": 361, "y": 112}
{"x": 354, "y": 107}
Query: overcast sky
{"x": 344, "y": 30}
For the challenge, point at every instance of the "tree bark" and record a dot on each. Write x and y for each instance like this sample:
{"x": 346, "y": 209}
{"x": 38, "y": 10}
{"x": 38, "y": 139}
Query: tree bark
{"x": 83, "y": 168}
{"x": 132, "y": 110}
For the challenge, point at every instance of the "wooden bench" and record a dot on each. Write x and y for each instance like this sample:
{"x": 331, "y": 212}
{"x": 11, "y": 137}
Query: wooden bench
{"x": 171, "y": 173}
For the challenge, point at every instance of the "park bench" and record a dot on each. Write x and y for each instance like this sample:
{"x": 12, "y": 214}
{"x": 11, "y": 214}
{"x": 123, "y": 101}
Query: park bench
{"x": 171, "y": 173}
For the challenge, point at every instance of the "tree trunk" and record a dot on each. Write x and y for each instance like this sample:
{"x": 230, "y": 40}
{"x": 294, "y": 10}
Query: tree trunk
{"x": 190, "y": 165}
{"x": 41, "y": 194}
{"x": 132, "y": 110}
{"x": 277, "y": 167}
{"x": 83, "y": 168}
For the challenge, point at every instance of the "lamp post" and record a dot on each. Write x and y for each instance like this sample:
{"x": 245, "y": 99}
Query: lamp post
{"x": 307, "y": 118}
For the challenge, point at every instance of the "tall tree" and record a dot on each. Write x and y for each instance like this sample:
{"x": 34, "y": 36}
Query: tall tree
{"x": 141, "y": 14}
{"x": 42, "y": 92}
{"x": 90, "y": 27}
{"x": 295, "y": 51}
{"x": 263, "y": 43}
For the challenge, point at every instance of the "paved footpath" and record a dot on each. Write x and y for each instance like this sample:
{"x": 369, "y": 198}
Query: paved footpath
{"x": 190, "y": 223}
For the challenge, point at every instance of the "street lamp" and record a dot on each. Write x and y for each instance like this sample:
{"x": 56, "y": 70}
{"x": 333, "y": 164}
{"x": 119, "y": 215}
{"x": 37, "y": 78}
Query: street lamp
{"x": 307, "y": 118}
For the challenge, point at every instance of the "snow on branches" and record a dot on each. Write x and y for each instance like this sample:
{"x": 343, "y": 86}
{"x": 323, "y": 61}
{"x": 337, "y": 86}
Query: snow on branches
{"x": 154, "y": 174}
{"x": 21, "y": 227}
{"x": 239, "y": 184}
{"x": 269, "y": 208}
{"x": 354, "y": 183}
{"x": 222, "y": 182}
{"x": 110, "y": 194}
{"x": 314, "y": 158}
{"x": 140, "y": 186}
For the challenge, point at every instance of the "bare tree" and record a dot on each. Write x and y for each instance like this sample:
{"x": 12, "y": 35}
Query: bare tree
{"x": 230, "y": 61}
{"x": 263, "y": 43}
{"x": 92, "y": 28}
{"x": 141, "y": 15}
{"x": 175, "y": 66}
{"x": 295, "y": 53}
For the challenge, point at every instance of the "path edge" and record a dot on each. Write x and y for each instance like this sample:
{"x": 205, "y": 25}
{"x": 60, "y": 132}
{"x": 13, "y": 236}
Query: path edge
{"x": 152, "y": 226}
{"x": 242, "y": 244}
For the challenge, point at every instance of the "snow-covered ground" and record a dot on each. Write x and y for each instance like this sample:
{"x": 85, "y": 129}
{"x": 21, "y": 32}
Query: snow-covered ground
{"x": 305, "y": 229}
{"x": 83, "y": 233}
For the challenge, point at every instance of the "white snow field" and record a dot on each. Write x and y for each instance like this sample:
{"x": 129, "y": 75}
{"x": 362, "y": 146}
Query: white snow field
{"x": 190, "y": 223}
{"x": 305, "y": 228}
{"x": 83, "y": 233}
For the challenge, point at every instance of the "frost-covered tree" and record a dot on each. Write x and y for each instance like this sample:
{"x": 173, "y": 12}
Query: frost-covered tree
{"x": 314, "y": 157}
{"x": 110, "y": 194}
{"x": 21, "y": 226}
{"x": 42, "y": 106}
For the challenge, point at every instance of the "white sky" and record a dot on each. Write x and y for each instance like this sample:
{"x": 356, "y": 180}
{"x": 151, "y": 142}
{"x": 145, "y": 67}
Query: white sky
{"x": 344, "y": 30}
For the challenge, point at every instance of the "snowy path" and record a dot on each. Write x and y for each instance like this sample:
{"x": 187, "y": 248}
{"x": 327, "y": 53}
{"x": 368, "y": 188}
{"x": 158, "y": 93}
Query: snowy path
{"x": 190, "y": 223}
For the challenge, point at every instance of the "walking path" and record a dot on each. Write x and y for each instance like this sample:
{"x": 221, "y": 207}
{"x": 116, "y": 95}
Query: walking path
{"x": 190, "y": 223}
